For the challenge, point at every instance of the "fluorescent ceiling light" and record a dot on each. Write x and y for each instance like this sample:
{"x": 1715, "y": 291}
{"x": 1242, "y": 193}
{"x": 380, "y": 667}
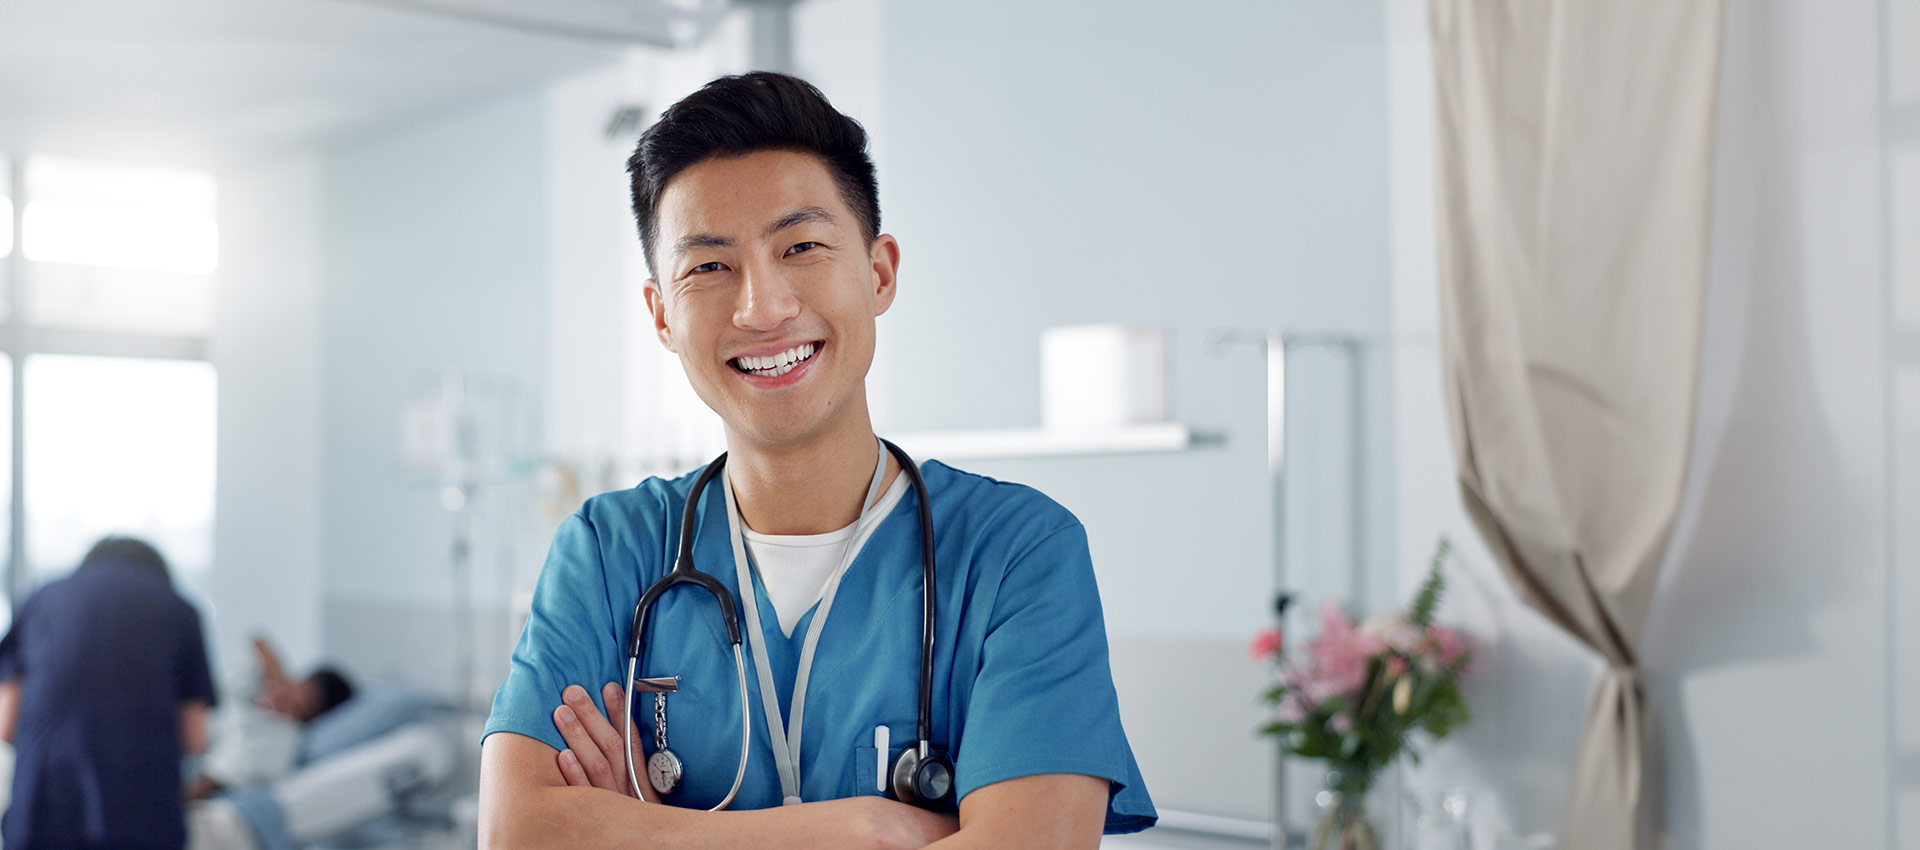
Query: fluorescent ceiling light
{"x": 661, "y": 23}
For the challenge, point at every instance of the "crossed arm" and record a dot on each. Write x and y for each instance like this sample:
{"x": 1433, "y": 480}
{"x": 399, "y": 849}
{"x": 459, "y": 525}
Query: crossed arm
{"x": 533, "y": 796}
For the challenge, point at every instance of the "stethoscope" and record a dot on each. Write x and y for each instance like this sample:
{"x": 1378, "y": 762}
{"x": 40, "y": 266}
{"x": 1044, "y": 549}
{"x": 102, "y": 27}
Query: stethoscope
{"x": 921, "y": 775}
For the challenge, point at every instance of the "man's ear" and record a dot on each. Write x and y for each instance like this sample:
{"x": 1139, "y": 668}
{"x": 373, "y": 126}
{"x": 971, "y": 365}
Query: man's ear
{"x": 657, "y": 307}
{"x": 884, "y": 259}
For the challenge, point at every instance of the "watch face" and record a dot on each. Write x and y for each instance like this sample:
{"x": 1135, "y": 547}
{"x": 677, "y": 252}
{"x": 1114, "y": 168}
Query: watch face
{"x": 663, "y": 770}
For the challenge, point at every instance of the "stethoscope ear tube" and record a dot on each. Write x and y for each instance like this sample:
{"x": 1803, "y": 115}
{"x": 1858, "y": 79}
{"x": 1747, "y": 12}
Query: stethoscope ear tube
{"x": 684, "y": 572}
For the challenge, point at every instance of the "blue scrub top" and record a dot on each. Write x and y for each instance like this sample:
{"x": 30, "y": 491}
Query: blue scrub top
{"x": 1021, "y": 682}
{"x": 104, "y": 657}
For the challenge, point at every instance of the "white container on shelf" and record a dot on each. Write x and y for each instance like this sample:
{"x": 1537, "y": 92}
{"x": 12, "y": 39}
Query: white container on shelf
{"x": 1102, "y": 377}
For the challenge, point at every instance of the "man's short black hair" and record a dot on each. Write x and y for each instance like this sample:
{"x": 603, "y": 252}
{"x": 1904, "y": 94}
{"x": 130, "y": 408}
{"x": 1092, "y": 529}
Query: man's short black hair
{"x": 127, "y": 551}
{"x": 748, "y": 113}
{"x": 333, "y": 688}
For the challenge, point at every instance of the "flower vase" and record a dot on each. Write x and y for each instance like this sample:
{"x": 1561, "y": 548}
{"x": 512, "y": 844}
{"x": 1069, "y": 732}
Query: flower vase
{"x": 1344, "y": 823}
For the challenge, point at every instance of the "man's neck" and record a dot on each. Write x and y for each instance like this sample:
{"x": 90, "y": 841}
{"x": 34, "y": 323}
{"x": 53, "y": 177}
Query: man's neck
{"x": 809, "y": 488}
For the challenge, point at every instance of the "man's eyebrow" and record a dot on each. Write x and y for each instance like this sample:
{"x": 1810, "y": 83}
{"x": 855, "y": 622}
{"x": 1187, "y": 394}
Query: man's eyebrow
{"x": 802, "y": 215}
{"x": 700, "y": 240}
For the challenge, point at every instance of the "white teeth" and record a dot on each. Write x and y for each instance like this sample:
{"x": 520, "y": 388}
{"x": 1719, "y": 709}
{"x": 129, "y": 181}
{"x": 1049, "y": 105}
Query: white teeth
{"x": 778, "y": 364}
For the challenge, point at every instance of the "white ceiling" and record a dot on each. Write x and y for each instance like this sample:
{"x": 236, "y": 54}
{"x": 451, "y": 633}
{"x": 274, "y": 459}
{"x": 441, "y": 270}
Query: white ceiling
{"x": 198, "y": 81}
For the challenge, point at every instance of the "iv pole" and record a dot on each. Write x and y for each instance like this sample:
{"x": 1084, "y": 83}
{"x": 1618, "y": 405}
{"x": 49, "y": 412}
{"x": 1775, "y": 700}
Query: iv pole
{"x": 1276, "y": 345}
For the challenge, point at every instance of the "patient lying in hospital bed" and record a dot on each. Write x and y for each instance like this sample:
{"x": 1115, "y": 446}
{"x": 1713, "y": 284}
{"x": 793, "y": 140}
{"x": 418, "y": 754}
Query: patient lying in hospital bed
{"x": 377, "y": 755}
{"x": 258, "y": 736}
{"x": 306, "y": 760}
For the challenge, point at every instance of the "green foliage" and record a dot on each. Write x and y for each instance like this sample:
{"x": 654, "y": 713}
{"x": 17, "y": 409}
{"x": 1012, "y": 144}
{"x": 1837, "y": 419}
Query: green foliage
{"x": 1428, "y": 599}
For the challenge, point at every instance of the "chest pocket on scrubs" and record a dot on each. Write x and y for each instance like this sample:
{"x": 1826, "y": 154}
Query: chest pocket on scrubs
{"x": 871, "y": 768}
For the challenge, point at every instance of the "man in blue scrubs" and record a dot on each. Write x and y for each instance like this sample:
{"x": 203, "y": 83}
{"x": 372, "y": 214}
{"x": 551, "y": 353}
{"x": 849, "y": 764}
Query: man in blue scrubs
{"x": 106, "y": 684}
{"x": 758, "y": 212}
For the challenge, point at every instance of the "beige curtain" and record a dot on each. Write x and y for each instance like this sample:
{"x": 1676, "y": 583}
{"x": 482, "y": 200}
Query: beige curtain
{"x": 1574, "y": 157}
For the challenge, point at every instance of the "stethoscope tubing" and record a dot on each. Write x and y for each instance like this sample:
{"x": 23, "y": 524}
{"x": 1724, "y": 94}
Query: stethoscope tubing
{"x": 746, "y": 731}
{"x": 684, "y": 572}
{"x": 928, "y": 612}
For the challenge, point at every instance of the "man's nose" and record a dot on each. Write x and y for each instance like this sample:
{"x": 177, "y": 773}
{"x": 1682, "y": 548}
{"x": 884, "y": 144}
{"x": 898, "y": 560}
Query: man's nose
{"x": 767, "y": 300}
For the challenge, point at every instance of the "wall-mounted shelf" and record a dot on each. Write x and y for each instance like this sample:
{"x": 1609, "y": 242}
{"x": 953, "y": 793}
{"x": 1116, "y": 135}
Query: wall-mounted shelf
{"x": 1037, "y": 442}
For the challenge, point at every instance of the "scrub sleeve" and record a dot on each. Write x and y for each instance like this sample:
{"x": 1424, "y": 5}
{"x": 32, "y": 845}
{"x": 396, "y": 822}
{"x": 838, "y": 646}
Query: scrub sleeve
{"x": 1043, "y": 701}
{"x": 568, "y": 639}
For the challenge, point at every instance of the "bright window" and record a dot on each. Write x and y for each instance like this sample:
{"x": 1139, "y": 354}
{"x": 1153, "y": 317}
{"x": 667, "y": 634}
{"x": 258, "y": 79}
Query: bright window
{"x": 118, "y": 446}
{"x": 119, "y": 248}
{"x": 105, "y": 310}
{"x": 120, "y": 216}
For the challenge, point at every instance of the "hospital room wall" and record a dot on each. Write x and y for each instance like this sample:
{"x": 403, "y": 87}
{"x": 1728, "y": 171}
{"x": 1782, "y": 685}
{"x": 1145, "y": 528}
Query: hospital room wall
{"x": 1767, "y": 655}
{"x": 435, "y": 258}
{"x": 1192, "y": 167}
{"x": 266, "y": 348}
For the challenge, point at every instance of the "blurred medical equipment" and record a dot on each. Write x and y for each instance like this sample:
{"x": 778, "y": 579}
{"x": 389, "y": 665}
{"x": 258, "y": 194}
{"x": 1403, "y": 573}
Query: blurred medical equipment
{"x": 471, "y": 437}
{"x": 1283, "y": 350}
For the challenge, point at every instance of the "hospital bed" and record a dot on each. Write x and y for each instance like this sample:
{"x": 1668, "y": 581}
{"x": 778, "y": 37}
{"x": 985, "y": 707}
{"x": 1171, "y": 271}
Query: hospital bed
{"x": 399, "y": 775}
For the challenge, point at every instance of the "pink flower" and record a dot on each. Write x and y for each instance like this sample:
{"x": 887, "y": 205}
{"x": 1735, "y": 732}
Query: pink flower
{"x": 1333, "y": 621}
{"x": 1448, "y": 644}
{"x": 1395, "y": 632}
{"x": 1338, "y": 656}
{"x": 1318, "y": 689}
{"x": 1291, "y": 710}
{"x": 1266, "y": 643}
{"x": 1341, "y": 723}
{"x": 1396, "y": 666}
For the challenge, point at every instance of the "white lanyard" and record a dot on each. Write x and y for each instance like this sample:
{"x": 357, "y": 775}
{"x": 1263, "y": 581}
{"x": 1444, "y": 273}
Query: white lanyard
{"x": 784, "y": 737}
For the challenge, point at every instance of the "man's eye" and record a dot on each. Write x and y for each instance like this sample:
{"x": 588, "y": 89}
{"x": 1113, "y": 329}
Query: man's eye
{"x": 703, "y": 268}
{"x": 804, "y": 246}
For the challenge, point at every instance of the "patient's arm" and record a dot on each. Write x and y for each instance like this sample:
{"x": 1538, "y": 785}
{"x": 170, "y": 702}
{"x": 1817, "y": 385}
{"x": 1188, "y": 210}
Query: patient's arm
{"x": 202, "y": 787}
{"x": 273, "y": 677}
{"x": 525, "y": 802}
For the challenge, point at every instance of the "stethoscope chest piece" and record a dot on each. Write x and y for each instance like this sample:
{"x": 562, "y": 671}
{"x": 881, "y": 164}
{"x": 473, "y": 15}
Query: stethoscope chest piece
{"x": 922, "y": 778}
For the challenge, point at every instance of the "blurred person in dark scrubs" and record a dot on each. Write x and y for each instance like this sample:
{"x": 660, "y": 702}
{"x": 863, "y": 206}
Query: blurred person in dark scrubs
{"x": 104, "y": 687}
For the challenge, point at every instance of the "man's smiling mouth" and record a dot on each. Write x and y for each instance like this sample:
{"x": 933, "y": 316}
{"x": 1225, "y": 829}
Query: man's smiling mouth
{"x": 775, "y": 365}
